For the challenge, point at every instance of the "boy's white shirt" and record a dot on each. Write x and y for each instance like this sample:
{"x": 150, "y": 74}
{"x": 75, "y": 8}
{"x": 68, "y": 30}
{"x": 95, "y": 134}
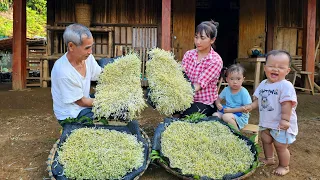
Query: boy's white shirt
{"x": 270, "y": 96}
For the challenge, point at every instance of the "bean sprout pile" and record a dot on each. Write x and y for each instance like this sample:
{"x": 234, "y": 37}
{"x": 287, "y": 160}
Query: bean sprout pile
{"x": 170, "y": 91}
{"x": 90, "y": 153}
{"x": 205, "y": 149}
{"x": 119, "y": 93}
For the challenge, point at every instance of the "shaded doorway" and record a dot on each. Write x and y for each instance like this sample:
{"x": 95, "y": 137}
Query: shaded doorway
{"x": 225, "y": 12}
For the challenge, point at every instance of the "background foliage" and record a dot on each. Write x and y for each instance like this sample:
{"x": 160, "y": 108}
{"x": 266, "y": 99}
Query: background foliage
{"x": 36, "y": 17}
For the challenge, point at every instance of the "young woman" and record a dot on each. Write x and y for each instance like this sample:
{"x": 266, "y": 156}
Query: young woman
{"x": 203, "y": 66}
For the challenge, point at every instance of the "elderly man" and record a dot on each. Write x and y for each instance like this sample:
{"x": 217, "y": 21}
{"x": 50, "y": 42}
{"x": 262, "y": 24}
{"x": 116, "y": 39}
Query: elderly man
{"x": 72, "y": 74}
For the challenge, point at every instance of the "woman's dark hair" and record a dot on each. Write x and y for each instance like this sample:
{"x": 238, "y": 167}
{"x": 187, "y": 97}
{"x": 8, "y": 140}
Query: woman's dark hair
{"x": 208, "y": 27}
{"x": 276, "y": 52}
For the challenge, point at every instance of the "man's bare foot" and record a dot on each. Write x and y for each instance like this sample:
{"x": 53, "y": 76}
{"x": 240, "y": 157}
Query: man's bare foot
{"x": 281, "y": 171}
{"x": 267, "y": 161}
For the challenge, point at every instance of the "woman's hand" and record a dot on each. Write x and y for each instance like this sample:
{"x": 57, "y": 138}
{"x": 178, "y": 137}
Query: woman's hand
{"x": 197, "y": 87}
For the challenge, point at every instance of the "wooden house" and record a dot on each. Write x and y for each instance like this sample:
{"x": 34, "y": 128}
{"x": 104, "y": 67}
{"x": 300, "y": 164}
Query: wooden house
{"x": 292, "y": 25}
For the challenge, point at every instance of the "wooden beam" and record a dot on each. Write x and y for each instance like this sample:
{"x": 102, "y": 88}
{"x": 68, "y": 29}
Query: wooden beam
{"x": 165, "y": 25}
{"x": 270, "y": 24}
{"x": 309, "y": 37}
{"x": 19, "y": 45}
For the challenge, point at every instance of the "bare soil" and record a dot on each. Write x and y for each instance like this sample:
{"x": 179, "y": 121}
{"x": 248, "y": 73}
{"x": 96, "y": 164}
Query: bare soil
{"x": 28, "y": 130}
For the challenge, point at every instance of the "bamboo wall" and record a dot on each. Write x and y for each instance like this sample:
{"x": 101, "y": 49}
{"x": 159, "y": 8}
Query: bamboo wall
{"x": 134, "y": 22}
{"x": 289, "y": 25}
{"x": 112, "y": 11}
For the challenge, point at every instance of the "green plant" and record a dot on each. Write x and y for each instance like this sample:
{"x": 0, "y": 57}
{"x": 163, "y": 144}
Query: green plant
{"x": 36, "y": 18}
{"x": 194, "y": 117}
{"x": 5, "y": 4}
{"x": 83, "y": 120}
{"x": 155, "y": 155}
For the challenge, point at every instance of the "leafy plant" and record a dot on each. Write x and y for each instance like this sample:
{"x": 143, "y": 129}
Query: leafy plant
{"x": 36, "y": 18}
{"x": 83, "y": 120}
{"x": 155, "y": 155}
{"x": 194, "y": 117}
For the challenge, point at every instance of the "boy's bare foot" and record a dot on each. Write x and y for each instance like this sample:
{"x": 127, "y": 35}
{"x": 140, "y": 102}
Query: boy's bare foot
{"x": 281, "y": 171}
{"x": 267, "y": 161}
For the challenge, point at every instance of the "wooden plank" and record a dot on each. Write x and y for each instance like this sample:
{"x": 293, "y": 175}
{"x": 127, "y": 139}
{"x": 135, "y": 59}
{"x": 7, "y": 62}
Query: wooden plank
{"x": 300, "y": 42}
{"x": 98, "y": 41}
{"x": 270, "y": 23}
{"x": 113, "y": 11}
{"x": 123, "y": 35}
{"x": 117, "y": 35}
{"x": 104, "y": 46}
{"x": 293, "y": 41}
{"x": 45, "y": 73}
{"x": 137, "y": 11}
{"x": 129, "y": 35}
{"x": 286, "y": 40}
{"x": 309, "y": 38}
{"x": 279, "y": 38}
{"x": 110, "y": 45}
{"x": 183, "y": 26}
{"x": 251, "y": 26}
{"x": 19, "y": 46}
{"x": 165, "y": 25}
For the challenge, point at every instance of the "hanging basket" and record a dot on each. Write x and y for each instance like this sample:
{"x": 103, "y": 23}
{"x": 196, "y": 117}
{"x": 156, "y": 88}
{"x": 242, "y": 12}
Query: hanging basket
{"x": 83, "y": 14}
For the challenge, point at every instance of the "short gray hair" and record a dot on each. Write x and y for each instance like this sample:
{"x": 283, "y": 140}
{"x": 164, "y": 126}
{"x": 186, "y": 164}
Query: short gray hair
{"x": 74, "y": 33}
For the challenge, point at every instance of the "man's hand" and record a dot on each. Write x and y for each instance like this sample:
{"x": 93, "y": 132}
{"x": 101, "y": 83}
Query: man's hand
{"x": 85, "y": 102}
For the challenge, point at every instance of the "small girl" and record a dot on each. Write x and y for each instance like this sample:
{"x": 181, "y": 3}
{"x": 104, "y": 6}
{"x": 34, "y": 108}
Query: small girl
{"x": 277, "y": 102}
{"x": 236, "y": 98}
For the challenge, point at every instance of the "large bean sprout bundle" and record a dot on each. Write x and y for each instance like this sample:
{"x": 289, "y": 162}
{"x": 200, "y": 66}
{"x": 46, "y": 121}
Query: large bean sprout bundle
{"x": 170, "y": 91}
{"x": 119, "y": 91}
{"x": 100, "y": 154}
{"x": 205, "y": 149}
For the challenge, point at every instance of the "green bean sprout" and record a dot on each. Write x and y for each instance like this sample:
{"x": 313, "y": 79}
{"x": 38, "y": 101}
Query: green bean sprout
{"x": 119, "y": 93}
{"x": 90, "y": 153}
{"x": 170, "y": 91}
{"x": 205, "y": 149}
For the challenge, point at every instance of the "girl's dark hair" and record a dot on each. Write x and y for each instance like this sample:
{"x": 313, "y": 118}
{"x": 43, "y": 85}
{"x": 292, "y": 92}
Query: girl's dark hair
{"x": 235, "y": 68}
{"x": 209, "y": 27}
{"x": 276, "y": 52}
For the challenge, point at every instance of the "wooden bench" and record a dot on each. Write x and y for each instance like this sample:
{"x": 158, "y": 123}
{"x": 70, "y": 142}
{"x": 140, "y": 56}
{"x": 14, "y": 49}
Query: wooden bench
{"x": 251, "y": 129}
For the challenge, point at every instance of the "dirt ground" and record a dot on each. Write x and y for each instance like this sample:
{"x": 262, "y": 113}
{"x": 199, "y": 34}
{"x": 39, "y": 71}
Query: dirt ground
{"x": 28, "y": 130}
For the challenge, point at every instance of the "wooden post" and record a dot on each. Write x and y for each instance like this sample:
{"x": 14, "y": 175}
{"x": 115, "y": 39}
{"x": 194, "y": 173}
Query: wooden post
{"x": 165, "y": 25}
{"x": 309, "y": 37}
{"x": 45, "y": 73}
{"x": 19, "y": 45}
